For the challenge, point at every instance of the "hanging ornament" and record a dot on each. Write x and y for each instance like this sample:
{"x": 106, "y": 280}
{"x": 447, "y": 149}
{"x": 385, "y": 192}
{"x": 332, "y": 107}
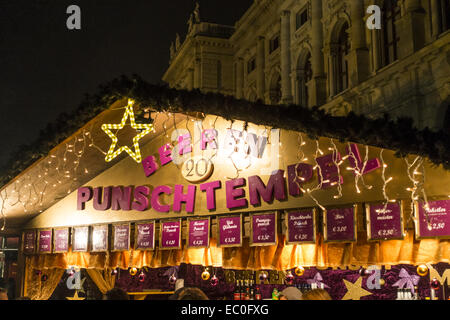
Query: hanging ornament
{"x": 44, "y": 277}
{"x": 214, "y": 281}
{"x": 382, "y": 282}
{"x": 434, "y": 284}
{"x": 262, "y": 277}
{"x": 299, "y": 271}
{"x": 172, "y": 279}
{"x": 205, "y": 275}
{"x": 289, "y": 279}
{"x": 114, "y": 272}
{"x": 142, "y": 276}
{"x": 362, "y": 272}
{"x": 133, "y": 271}
{"x": 422, "y": 270}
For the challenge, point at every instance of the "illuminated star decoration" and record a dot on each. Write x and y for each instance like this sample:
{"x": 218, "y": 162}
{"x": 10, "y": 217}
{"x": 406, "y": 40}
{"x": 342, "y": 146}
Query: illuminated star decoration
{"x": 136, "y": 155}
{"x": 355, "y": 290}
{"x": 75, "y": 297}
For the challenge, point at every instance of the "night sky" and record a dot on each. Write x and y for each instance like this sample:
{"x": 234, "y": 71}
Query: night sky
{"x": 46, "y": 69}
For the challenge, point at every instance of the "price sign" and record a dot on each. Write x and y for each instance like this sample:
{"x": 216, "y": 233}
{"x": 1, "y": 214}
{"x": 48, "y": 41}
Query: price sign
{"x": 230, "y": 231}
{"x": 80, "y": 239}
{"x": 263, "y": 229}
{"x": 384, "y": 222}
{"x": 301, "y": 226}
{"x": 60, "y": 240}
{"x": 198, "y": 233}
{"x": 121, "y": 237}
{"x": 29, "y": 242}
{"x": 45, "y": 241}
{"x": 340, "y": 224}
{"x": 145, "y": 236}
{"x": 433, "y": 219}
{"x": 99, "y": 238}
{"x": 170, "y": 235}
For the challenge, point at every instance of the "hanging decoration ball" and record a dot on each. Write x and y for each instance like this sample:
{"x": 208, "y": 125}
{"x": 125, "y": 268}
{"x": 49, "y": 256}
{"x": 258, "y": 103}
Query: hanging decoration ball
{"x": 142, "y": 276}
{"x": 205, "y": 275}
{"x": 362, "y": 272}
{"x": 422, "y": 270}
{"x": 172, "y": 279}
{"x": 299, "y": 271}
{"x": 44, "y": 277}
{"x": 114, "y": 272}
{"x": 214, "y": 281}
{"x": 382, "y": 282}
{"x": 262, "y": 276}
{"x": 434, "y": 284}
{"x": 133, "y": 271}
{"x": 289, "y": 279}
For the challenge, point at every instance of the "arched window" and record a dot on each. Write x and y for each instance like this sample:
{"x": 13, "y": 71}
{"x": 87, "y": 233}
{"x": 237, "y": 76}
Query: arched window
{"x": 304, "y": 75}
{"x": 389, "y": 34}
{"x": 342, "y": 49}
{"x": 444, "y": 10}
{"x": 275, "y": 89}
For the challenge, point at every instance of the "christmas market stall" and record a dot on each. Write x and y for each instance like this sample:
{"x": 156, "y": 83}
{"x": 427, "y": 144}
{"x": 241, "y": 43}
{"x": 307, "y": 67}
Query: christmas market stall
{"x": 148, "y": 188}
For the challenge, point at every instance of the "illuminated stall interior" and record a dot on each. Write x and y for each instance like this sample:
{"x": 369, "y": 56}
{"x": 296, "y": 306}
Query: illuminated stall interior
{"x": 257, "y": 159}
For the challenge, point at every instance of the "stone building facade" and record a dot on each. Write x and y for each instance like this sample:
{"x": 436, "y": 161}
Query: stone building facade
{"x": 321, "y": 53}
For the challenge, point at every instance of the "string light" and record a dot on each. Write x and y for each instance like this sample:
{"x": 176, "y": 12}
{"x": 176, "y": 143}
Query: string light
{"x": 337, "y": 164}
{"x": 107, "y": 129}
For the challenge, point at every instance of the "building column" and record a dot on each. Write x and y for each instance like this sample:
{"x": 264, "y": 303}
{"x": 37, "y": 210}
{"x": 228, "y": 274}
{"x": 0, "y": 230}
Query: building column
{"x": 318, "y": 84}
{"x": 286, "y": 87}
{"x": 358, "y": 66}
{"x": 435, "y": 19}
{"x": 239, "y": 78}
{"x": 412, "y": 36}
{"x": 260, "y": 66}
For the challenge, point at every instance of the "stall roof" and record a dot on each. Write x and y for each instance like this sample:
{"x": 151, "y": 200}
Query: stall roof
{"x": 395, "y": 134}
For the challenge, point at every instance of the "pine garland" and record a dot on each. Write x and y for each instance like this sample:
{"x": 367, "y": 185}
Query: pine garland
{"x": 399, "y": 135}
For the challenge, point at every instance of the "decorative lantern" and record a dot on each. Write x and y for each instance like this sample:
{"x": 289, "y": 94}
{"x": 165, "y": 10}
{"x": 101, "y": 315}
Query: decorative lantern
{"x": 299, "y": 271}
{"x": 172, "y": 279}
{"x": 289, "y": 279}
{"x": 205, "y": 275}
{"x": 214, "y": 281}
{"x": 422, "y": 270}
{"x": 133, "y": 271}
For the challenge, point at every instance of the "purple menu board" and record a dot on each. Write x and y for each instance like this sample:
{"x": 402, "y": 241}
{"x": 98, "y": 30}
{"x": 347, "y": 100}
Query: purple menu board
{"x": 384, "y": 224}
{"x": 45, "y": 241}
{"x": 170, "y": 235}
{"x": 230, "y": 231}
{"x": 60, "y": 240}
{"x": 80, "y": 239}
{"x": 340, "y": 224}
{"x": 121, "y": 237}
{"x": 29, "y": 242}
{"x": 433, "y": 221}
{"x": 99, "y": 238}
{"x": 301, "y": 226}
{"x": 198, "y": 232}
{"x": 263, "y": 229}
{"x": 145, "y": 236}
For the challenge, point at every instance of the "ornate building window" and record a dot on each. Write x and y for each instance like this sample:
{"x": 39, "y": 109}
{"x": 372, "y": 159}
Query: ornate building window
{"x": 444, "y": 10}
{"x": 304, "y": 75}
{"x": 389, "y": 36}
{"x": 339, "y": 54}
{"x": 275, "y": 89}
{"x": 301, "y": 18}
{"x": 274, "y": 43}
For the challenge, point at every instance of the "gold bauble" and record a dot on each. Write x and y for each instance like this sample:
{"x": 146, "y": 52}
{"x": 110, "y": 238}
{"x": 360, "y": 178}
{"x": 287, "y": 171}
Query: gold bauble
{"x": 133, "y": 271}
{"x": 382, "y": 282}
{"x": 299, "y": 271}
{"x": 422, "y": 270}
{"x": 205, "y": 275}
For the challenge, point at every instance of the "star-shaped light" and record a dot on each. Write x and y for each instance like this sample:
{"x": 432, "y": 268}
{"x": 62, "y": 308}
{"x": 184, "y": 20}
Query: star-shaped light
{"x": 355, "y": 290}
{"x": 136, "y": 155}
{"x": 75, "y": 297}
